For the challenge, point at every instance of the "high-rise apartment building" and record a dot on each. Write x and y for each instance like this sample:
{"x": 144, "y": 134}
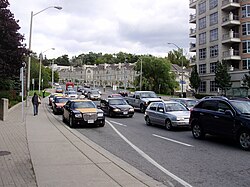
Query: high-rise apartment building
{"x": 221, "y": 32}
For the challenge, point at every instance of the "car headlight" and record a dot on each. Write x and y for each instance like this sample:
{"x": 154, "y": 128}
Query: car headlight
{"x": 116, "y": 110}
{"x": 100, "y": 114}
{"x": 180, "y": 119}
{"x": 131, "y": 109}
{"x": 78, "y": 115}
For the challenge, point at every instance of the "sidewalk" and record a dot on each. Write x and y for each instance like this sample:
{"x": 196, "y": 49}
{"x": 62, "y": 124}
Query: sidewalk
{"x": 45, "y": 152}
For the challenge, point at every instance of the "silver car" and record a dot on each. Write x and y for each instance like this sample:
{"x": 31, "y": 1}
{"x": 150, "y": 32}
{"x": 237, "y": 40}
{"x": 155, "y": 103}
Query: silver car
{"x": 168, "y": 113}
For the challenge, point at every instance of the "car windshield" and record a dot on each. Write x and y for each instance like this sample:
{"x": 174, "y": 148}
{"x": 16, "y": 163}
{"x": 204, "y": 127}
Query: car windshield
{"x": 84, "y": 104}
{"x": 191, "y": 103}
{"x": 117, "y": 102}
{"x": 242, "y": 106}
{"x": 170, "y": 107}
{"x": 148, "y": 95}
{"x": 61, "y": 100}
{"x": 94, "y": 92}
{"x": 72, "y": 92}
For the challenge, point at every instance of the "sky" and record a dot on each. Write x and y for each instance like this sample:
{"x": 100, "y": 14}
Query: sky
{"x": 106, "y": 26}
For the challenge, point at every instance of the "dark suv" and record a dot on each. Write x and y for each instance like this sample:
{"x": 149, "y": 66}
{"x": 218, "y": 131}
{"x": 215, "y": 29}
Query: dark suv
{"x": 221, "y": 116}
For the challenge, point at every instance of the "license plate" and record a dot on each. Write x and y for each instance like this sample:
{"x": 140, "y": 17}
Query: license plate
{"x": 125, "y": 113}
{"x": 91, "y": 121}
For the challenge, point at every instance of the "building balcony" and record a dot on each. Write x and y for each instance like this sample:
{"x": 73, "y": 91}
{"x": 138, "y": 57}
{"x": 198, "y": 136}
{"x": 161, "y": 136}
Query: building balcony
{"x": 192, "y": 47}
{"x": 192, "y": 4}
{"x": 192, "y": 33}
{"x": 231, "y": 37}
{"x": 229, "y": 5}
{"x": 230, "y": 20}
{"x": 231, "y": 54}
{"x": 192, "y": 18}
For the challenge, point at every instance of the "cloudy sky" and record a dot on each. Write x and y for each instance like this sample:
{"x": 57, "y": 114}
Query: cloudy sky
{"x": 107, "y": 26}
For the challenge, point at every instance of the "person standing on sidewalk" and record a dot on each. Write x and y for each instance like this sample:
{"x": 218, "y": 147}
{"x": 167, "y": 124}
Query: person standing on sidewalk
{"x": 35, "y": 101}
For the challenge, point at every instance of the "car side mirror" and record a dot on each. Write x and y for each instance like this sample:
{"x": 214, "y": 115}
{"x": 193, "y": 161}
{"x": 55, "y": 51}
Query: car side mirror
{"x": 161, "y": 110}
{"x": 229, "y": 112}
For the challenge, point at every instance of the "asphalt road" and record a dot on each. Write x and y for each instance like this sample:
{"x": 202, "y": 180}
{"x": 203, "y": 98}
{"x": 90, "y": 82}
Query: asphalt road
{"x": 173, "y": 157}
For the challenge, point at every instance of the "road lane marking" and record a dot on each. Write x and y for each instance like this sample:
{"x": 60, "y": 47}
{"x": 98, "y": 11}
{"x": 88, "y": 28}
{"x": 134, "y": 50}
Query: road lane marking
{"x": 118, "y": 123}
{"x": 175, "y": 141}
{"x": 148, "y": 158}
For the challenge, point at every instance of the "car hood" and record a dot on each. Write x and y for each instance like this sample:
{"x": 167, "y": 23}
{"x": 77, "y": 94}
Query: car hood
{"x": 184, "y": 114}
{"x": 151, "y": 99}
{"x": 87, "y": 110}
{"x": 121, "y": 106}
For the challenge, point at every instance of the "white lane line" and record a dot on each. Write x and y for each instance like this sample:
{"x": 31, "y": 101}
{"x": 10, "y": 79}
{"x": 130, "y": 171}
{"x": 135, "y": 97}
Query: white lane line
{"x": 148, "y": 158}
{"x": 175, "y": 141}
{"x": 118, "y": 123}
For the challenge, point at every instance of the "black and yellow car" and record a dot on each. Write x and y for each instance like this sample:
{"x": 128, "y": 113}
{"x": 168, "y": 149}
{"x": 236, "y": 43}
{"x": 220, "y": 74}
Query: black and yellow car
{"x": 82, "y": 112}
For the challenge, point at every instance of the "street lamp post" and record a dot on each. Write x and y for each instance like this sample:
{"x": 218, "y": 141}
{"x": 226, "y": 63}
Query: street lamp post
{"x": 40, "y": 67}
{"x": 181, "y": 67}
{"x": 30, "y": 35}
{"x": 141, "y": 76}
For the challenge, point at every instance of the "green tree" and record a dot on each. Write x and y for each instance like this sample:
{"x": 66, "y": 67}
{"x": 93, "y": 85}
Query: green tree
{"x": 156, "y": 75}
{"x": 246, "y": 80}
{"x": 222, "y": 77}
{"x": 176, "y": 57}
{"x": 12, "y": 51}
{"x": 195, "y": 79}
{"x": 63, "y": 60}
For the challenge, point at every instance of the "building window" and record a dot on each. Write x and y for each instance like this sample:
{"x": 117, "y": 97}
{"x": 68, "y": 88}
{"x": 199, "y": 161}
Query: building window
{"x": 213, "y": 4}
{"x": 214, "y": 51}
{"x": 214, "y": 35}
{"x": 213, "y": 67}
{"x": 202, "y": 23}
{"x": 202, "y": 87}
{"x": 202, "y": 38}
{"x": 202, "y": 7}
{"x": 246, "y": 29}
{"x": 202, "y": 69}
{"x": 202, "y": 54}
{"x": 214, "y": 18}
{"x": 246, "y": 46}
{"x": 245, "y": 11}
{"x": 246, "y": 63}
{"x": 213, "y": 86}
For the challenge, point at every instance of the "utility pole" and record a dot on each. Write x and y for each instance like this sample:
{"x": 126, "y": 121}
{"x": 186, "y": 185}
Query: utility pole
{"x": 141, "y": 76}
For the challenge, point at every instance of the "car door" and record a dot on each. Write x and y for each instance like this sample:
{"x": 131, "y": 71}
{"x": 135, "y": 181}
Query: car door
{"x": 104, "y": 106}
{"x": 152, "y": 112}
{"x": 66, "y": 110}
{"x": 207, "y": 116}
{"x": 160, "y": 114}
{"x": 223, "y": 123}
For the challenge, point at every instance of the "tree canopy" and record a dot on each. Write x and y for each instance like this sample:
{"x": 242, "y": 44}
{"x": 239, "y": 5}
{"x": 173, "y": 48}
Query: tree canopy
{"x": 222, "y": 77}
{"x": 12, "y": 51}
{"x": 195, "y": 79}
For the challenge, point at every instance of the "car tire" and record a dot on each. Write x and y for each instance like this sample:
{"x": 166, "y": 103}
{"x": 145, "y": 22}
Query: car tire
{"x": 197, "y": 131}
{"x": 130, "y": 116}
{"x": 111, "y": 114}
{"x": 142, "y": 108}
{"x": 244, "y": 139}
{"x": 148, "y": 122}
{"x": 168, "y": 125}
{"x": 71, "y": 122}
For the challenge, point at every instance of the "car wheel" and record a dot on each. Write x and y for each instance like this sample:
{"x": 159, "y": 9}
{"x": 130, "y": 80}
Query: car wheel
{"x": 244, "y": 140}
{"x": 111, "y": 114}
{"x": 130, "y": 116}
{"x": 71, "y": 122}
{"x": 148, "y": 122}
{"x": 197, "y": 131}
{"x": 142, "y": 108}
{"x": 168, "y": 125}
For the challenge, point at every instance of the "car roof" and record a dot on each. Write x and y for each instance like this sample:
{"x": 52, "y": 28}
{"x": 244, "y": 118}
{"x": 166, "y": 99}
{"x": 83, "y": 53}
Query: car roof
{"x": 115, "y": 98}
